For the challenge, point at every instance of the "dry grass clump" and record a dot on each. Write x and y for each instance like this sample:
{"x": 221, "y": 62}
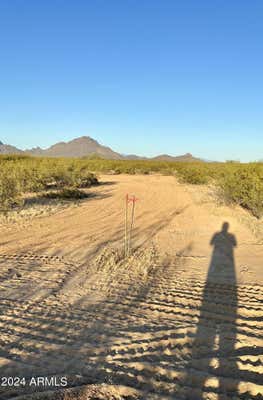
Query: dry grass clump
{"x": 141, "y": 263}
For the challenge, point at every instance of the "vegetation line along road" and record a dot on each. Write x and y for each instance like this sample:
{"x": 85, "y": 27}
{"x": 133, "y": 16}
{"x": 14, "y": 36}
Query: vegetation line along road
{"x": 65, "y": 177}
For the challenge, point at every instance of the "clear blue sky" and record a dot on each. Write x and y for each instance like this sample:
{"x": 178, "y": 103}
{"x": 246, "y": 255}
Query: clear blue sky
{"x": 143, "y": 77}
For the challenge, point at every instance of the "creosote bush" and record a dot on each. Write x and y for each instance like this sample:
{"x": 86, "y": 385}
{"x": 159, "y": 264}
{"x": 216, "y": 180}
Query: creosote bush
{"x": 22, "y": 174}
{"x": 195, "y": 174}
{"x": 244, "y": 186}
{"x": 10, "y": 189}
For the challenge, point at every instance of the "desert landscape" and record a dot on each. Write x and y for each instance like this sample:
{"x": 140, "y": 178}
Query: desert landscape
{"x": 131, "y": 200}
{"x": 180, "y": 318}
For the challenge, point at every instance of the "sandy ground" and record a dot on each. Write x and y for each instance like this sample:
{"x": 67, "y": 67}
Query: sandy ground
{"x": 181, "y": 319}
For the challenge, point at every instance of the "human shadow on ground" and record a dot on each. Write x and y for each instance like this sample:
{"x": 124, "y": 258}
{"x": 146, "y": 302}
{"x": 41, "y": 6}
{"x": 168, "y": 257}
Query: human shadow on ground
{"x": 213, "y": 350}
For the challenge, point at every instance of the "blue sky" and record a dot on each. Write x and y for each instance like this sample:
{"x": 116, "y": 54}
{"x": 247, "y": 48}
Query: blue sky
{"x": 144, "y": 77}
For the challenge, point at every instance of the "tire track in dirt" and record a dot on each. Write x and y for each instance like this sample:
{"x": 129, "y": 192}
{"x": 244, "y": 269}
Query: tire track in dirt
{"x": 138, "y": 334}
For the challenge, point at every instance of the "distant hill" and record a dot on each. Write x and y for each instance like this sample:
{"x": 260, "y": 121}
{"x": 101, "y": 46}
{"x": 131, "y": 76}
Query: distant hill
{"x": 36, "y": 151}
{"x": 8, "y": 149}
{"x": 89, "y": 148}
{"x": 133, "y": 157}
{"x": 79, "y": 147}
{"x": 185, "y": 158}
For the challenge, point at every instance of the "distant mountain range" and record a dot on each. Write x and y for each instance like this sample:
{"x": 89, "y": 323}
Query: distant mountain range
{"x": 85, "y": 146}
{"x": 7, "y": 149}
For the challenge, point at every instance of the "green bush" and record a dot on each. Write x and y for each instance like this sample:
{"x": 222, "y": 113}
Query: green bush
{"x": 194, "y": 174}
{"x": 244, "y": 186}
{"x": 10, "y": 189}
{"x": 86, "y": 179}
{"x": 23, "y": 174}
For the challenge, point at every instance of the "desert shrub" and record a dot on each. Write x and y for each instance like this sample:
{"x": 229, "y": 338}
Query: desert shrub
{"x": 143, "y": 171}
{"x": 86, "y": 179}
{"x": 67, "y": 194}
{"x": 10, "y": 189}
{"x": 62, "y": 175}
{"x": 15, "y": 157}
{"x": 30, "y": 178}
{"x": 72, "y": 174}
{"x": 193, "y": 174}
{"x": 244, "y": 186}
{"x": 22, "y": 174}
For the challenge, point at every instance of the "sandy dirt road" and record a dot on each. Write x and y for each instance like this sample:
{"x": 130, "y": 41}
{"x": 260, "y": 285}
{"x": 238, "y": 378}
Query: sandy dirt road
{"x": 180, "y": 320}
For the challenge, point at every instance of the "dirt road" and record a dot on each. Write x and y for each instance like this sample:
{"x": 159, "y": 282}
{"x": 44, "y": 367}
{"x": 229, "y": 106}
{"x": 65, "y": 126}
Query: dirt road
{"x": 181, "y": 319}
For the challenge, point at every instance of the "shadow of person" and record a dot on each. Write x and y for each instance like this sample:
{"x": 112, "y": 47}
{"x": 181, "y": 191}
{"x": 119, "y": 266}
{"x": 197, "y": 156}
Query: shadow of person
{"x": 212, "y": 367}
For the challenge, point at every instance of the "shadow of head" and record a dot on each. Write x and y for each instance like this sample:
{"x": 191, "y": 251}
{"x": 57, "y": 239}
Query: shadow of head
{"x": 225, "y": 227}
{"x": 224, "y": 238}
